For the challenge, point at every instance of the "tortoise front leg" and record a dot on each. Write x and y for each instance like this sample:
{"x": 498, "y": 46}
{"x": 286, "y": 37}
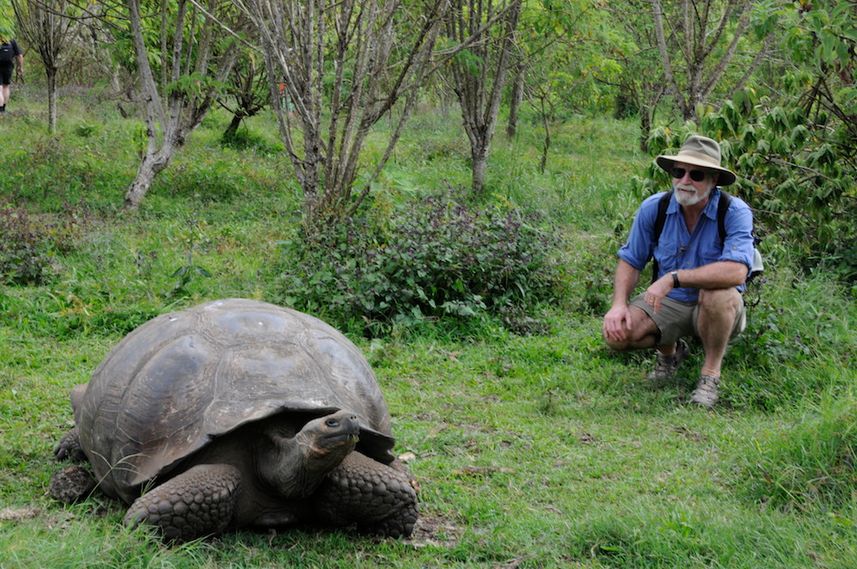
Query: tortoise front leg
{"x": 196, "y": 503}
{"x": 376, "y": 497}
{"x": 68, "y": 447}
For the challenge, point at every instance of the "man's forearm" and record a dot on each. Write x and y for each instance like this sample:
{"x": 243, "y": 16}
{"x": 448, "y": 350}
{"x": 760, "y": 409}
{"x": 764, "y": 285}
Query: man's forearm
{"x": 722, "y": 274}
{"x": 624, "y": 282}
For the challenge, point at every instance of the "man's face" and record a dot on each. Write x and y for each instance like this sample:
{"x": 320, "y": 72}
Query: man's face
{"x": 692, "y": 184}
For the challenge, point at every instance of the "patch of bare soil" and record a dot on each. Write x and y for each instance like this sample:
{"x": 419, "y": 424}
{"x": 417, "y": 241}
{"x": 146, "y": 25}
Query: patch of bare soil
{"x": 436, "y": 532}
{"x": 19, "y": 514}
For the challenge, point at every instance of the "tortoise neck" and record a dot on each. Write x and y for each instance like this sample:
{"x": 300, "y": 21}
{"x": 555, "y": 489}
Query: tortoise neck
{"x": 293, "y": 467}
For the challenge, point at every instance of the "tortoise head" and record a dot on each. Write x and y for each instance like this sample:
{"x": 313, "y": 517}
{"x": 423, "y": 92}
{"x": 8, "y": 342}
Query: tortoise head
{"x": 294, "y": 464}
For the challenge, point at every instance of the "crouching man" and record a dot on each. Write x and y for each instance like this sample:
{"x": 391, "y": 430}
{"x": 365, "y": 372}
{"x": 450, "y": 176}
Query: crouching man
{"x": 701, "y": 259}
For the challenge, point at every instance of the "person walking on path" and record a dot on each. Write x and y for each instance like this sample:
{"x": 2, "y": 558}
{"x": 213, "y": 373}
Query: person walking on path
{"x": 701, "y": 261}
{"x": 10, "y": 54}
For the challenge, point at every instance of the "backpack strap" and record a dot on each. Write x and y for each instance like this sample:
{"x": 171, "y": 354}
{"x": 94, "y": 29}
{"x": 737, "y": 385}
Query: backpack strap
{"x": 722, "y": 208}
{"x": 660, "y": 220}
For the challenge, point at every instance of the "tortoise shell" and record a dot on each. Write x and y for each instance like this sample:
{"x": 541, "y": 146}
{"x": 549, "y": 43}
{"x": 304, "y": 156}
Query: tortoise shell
{"x": 184, "y": 378}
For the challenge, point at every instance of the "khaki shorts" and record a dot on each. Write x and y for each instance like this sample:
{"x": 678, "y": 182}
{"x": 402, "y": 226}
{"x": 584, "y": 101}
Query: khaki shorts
{"x": 677, "y": 319}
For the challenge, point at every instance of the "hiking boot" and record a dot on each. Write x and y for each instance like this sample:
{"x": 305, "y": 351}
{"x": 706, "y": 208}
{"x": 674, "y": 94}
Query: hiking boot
{"x": 705, "y": 393}
{"x": 666, "y": 366}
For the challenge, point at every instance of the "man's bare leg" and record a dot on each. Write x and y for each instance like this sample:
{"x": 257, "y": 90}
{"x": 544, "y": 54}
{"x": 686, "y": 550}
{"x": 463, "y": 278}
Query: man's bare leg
{"x": 716, "y": 319}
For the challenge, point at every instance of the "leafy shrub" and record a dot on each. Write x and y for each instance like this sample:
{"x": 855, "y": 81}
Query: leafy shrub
{"x": 85, "y": 130}
{"x": 26, "y": 242}
{"x": 812, "y": 463}
{"x": 434, "y": 258}
{"x": 24, "y": 255}
{"x": 245, "y": 139}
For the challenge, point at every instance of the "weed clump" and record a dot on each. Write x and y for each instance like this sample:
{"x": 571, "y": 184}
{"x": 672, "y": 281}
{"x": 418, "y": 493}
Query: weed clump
{"x": 244, "y": 139}
{"x": 432, "y": 258}
{"x": 24, "y": 258}
{"x": 811, "y": 464}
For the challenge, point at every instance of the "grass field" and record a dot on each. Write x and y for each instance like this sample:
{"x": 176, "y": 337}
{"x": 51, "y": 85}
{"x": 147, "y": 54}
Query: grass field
{"x": 544, "y": 450}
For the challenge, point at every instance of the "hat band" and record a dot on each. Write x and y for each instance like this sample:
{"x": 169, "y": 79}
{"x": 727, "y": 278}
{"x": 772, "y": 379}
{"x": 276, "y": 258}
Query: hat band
{"x": 698, "y": 157}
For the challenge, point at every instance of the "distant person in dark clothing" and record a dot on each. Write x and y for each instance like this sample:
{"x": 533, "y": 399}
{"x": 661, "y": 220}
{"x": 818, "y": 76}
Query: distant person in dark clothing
{"x": 10, "y": 54}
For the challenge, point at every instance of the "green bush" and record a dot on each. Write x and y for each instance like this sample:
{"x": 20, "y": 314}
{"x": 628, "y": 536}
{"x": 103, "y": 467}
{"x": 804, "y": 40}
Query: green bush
{"x": 245, "y": 139}
{"x": 437, "y": 257}
{"x": 24, "y": 257}
{"x": 812, "y": 463}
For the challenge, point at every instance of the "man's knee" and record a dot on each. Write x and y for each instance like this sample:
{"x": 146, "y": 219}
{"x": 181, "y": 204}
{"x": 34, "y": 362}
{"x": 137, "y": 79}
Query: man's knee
{"x": 719, "y": 301}
{"x": 618, "y": 346}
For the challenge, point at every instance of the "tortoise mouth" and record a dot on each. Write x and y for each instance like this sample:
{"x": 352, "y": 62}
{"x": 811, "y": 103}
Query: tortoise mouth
{"x": 336, "y": 439}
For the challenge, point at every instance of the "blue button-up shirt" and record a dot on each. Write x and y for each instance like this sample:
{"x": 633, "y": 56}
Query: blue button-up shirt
{"x": 679, "y": 249}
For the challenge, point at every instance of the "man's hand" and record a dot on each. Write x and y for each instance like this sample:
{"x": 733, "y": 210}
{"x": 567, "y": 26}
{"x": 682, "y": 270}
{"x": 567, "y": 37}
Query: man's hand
{"x": 658, "y": 291}
{"x": 617, "y": 323}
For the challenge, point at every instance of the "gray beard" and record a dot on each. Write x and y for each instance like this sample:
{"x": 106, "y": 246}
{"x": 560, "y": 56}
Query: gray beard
{"x": 686, "y": 200}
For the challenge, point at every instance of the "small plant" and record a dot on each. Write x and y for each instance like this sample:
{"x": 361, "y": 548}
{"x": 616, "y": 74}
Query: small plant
{"x": 193, "y": 235}
{"x": 436, "y": 258}
{"x": 85, "y": 130}
{"x": 245, "y": 139}
{"x": 24, "y": 258}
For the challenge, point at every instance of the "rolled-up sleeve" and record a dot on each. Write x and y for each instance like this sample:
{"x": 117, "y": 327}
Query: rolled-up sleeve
{"x": 637, "y": 250}
{"x": 738, "y": 246}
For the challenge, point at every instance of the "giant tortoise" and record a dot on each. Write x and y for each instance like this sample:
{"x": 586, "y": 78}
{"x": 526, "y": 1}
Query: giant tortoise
{"x": 238, "y": 413}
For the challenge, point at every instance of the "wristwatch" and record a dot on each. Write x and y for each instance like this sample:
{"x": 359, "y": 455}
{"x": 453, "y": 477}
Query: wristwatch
{"x": 676, "y": 284}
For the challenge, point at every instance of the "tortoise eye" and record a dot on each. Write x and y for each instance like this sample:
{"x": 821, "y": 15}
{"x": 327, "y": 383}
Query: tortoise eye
{"x": 333, "y": 423}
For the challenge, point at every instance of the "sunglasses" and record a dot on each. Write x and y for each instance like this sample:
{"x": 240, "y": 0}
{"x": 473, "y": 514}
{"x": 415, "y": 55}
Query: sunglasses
{"x": 695, "y": 175}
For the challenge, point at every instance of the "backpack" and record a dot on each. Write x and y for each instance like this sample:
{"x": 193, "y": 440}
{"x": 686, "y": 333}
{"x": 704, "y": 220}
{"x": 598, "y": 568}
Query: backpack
{"x": 722, "y": 207}
{"x": 7, "y": 53}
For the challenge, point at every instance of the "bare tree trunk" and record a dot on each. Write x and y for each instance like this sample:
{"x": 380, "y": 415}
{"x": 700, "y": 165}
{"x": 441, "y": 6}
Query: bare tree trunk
{"x": 233, "y": 126}
{"x": 479, "y": 155}
{"x": 479, "y": 81}
{"x": 151, "y": 166}
{"x": 547, "y": 139}
{"x": 697, "y": 40}
{"x": 43, "y": 23}
{"x": 646, "y": 116}
{"x": 516, "y": 100}
{"x": 51, "y": 73}
{"x": 344, "y": 66}
{"x": 172, "y": 116}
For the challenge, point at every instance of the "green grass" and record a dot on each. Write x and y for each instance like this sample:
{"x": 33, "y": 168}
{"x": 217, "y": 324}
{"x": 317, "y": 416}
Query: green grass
{"x": 535, "y": 451}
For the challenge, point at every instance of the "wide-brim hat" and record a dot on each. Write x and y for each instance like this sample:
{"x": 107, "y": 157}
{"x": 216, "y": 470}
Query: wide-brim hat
{"x": 699, "y": 151}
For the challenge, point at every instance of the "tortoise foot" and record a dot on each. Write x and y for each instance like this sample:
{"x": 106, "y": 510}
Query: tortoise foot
{"x": 377, "y": 498}
{"x": 68, "y": 448}
{"x": 194, "y": 504}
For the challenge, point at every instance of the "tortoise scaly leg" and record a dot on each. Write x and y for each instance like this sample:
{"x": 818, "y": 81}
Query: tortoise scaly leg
{"x": 194, "y": 504}
{"x": 68, "y": 447}
{"x": 378, "y": 498}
